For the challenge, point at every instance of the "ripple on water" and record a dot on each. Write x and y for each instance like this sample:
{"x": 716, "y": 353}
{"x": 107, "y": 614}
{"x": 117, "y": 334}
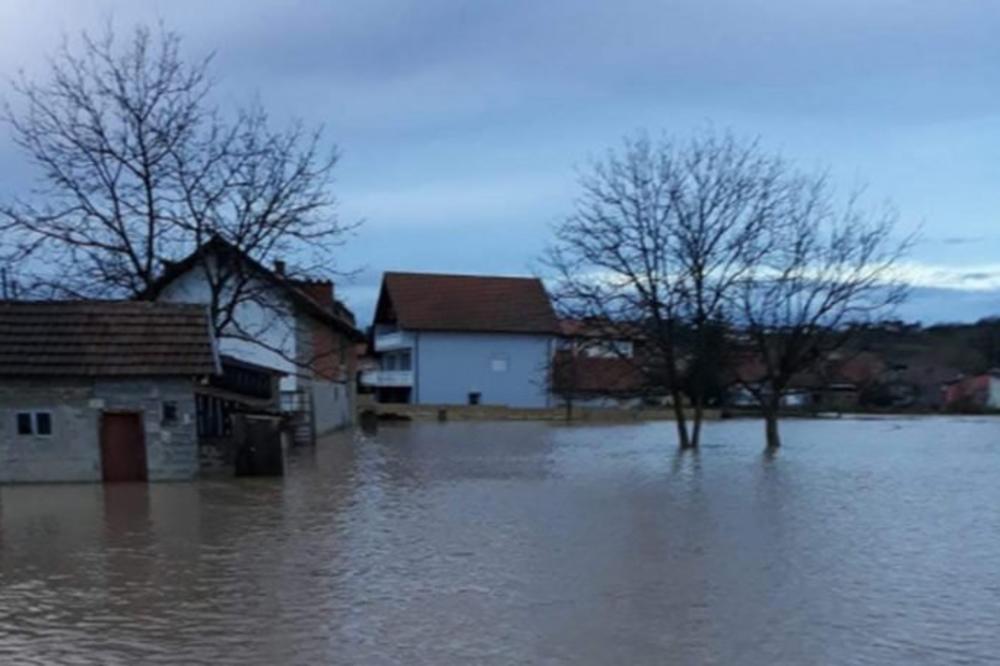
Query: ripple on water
{"x": 862, "y": 542}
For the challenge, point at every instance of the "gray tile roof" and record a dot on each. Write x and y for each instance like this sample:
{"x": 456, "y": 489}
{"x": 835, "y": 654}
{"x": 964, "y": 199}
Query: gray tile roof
{"x": 104, "y": 338}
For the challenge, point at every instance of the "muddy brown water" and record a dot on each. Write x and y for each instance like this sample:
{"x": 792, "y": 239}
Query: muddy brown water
{"x": 862, "y": 542}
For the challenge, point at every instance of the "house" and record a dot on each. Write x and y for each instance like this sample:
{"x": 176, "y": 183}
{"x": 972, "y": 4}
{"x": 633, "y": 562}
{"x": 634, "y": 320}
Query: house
{"x": 462, "y": 339}
{"x": 833, "y": 383}
{"x": 271, "y": 320}
{"x": 973, "y": 393}
{"x": 93, "y": 391}
{"x": 598, "y": 364}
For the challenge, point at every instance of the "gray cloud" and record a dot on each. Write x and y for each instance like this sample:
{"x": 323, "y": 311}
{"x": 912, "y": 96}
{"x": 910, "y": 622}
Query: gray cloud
{"x": 460, "y": 122}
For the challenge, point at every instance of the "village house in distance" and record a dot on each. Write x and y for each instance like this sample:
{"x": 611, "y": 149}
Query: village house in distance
{"x": 462, "y": 340}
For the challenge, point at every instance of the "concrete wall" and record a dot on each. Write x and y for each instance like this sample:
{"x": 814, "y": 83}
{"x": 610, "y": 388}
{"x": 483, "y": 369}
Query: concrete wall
{"x": 72, "y": 452}
{"x": 505, "y": 369}
{"x": 333, "y": 405}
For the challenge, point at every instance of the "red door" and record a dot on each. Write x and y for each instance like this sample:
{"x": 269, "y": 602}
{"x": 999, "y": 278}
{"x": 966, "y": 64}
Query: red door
{"x": 123, "y": 448}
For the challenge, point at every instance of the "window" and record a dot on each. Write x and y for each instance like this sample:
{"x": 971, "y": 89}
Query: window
{"x": 43, "y": 423}
{"x": 610, "y": 349}
{"x": 169, "y": 414}
{"x": 404, "y": 360}
{"x": 24, "y": 423}
{"x": 212, "y": 416}
{"x": 499, "y": 364}
{"x": 34, "y": 423}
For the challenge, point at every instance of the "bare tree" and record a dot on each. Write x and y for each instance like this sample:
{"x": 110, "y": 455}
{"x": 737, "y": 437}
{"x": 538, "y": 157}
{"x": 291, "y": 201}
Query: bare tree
{"x": 827, "y": 271}
{"x": 661, "y": 233}
{"x": 103, "y": 132}
{"x": 138, "y": 171}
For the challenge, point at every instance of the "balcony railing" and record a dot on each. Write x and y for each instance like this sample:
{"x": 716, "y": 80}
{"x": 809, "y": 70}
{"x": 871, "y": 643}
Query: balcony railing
{"x": 393, "y": 340}
{"x": 387, "y": 378}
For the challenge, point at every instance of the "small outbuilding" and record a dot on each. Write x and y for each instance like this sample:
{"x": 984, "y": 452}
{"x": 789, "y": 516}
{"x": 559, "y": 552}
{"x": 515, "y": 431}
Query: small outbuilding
{"x": 101, "y": 390}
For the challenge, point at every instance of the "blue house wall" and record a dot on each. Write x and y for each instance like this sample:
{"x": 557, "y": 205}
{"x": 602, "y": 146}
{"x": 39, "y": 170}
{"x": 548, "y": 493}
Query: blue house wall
{"x": 505, "y": 369}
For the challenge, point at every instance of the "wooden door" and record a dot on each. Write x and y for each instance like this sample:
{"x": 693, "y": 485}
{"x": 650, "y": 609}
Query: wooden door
{"x": 123, "y": 448}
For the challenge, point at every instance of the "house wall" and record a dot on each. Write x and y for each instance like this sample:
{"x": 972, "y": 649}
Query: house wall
{"x": 325, "y": 398}
{"x": 449, "y": 366}
{"x": 333, "y": 386}
{"x": 273, "y": 325}
{"x": 993, "y": 395}
{"x": 72, "y": 452}
{"x": 333, "y": 405}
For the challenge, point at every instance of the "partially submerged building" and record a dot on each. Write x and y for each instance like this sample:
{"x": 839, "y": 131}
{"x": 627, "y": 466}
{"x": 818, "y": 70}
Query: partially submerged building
{"x": 93, "y": 391}
{"x": 462, "y": 340}
{"x": 295, "y": 327}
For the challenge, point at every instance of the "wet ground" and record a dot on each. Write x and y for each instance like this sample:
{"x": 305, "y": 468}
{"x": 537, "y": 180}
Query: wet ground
{"x": 863, "y": 542}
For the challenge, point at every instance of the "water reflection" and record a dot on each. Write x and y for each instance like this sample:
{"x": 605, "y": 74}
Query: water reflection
{"x": 864, "y": 542}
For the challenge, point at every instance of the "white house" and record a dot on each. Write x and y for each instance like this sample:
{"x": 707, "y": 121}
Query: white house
{"x": 462, "y": 339}
{"x": 294, "y": 326}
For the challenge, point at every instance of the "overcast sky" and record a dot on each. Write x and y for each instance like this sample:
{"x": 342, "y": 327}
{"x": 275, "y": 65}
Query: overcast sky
{"x": 461, "y": 123}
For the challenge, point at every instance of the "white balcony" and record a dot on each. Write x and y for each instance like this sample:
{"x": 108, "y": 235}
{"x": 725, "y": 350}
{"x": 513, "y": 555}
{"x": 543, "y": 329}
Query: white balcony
{"x": 387, "y": 378}
{"x": 394, "y": 340}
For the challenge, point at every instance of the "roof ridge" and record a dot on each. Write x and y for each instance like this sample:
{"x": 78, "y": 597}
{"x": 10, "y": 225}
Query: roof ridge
{"x": 464, "y": 275}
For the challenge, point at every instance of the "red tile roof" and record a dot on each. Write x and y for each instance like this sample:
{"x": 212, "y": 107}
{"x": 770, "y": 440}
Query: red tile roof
{"x": 104, "y": 338}
{"x": 472, "y": 303}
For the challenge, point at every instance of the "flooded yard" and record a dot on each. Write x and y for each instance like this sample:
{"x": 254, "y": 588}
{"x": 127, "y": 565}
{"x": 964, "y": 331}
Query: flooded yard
{"x": 863, "y": 542}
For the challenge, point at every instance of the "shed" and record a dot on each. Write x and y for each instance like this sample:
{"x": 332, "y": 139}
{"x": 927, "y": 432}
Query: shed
{"x": 101, "y": 390}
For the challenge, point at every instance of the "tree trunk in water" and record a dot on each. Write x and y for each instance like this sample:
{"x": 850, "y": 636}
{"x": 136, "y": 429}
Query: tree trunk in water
{"x": 771, "y": 428}
{"x": 677, "y": 397}
{"x": 699, "y": 415}
{"x": 680, "y": 419}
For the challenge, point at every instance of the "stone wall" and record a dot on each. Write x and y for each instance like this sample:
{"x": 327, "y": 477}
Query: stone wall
{"x": 72, "y": 452}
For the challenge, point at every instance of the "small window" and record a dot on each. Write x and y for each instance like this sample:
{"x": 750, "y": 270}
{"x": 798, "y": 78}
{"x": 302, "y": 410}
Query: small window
{"x": 499, "y": 364}
{"x": 475, "y": 397}
{"x": 43, "y": 423}
{"x": 34, "y": 423}
{"x": 169, "y": 412}
{"x": 24, "y": 426}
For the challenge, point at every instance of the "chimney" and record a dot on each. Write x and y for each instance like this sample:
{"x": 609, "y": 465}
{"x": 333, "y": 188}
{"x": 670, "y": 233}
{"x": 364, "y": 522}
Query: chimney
{"x": 320, "y": 291}
{"x": 279, "y": 267}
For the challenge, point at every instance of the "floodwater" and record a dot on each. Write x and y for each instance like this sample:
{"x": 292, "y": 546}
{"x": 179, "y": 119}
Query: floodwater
{"x": 863, "y": 542}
